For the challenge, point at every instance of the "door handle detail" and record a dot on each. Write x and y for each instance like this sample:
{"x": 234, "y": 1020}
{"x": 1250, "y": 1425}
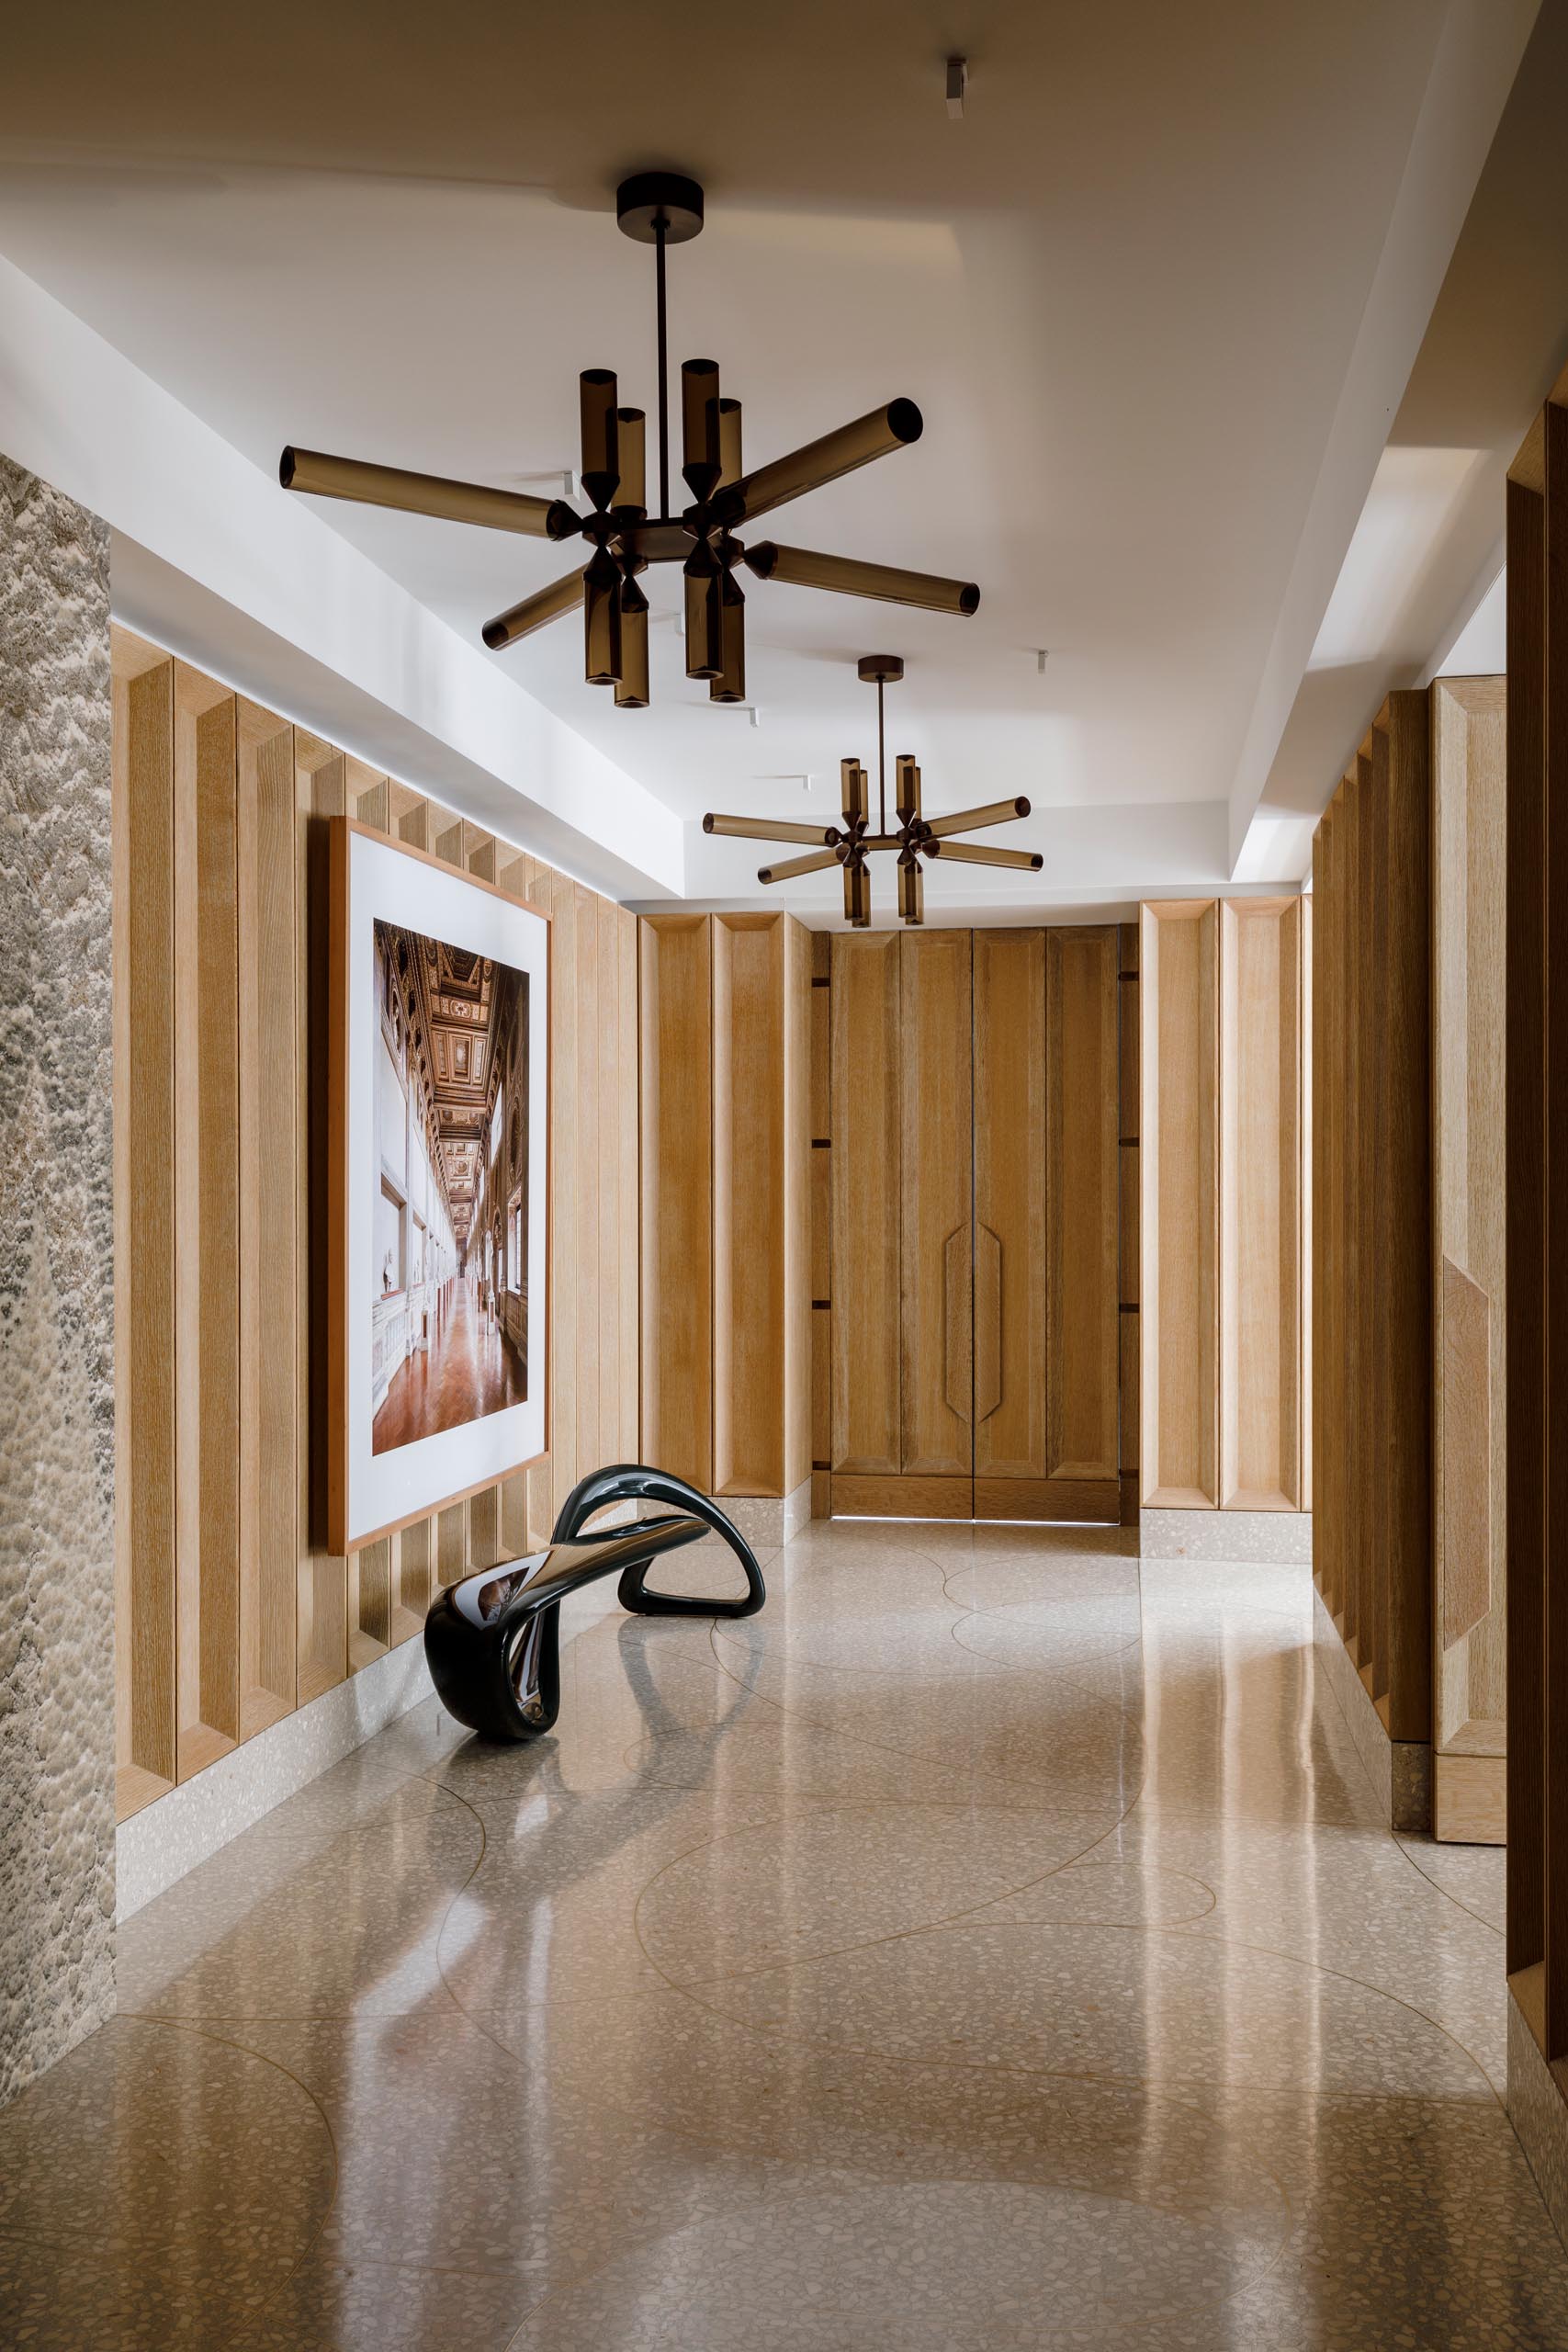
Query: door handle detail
{"x": 956, "y": 1389}
{"x": 988, "y": 1323}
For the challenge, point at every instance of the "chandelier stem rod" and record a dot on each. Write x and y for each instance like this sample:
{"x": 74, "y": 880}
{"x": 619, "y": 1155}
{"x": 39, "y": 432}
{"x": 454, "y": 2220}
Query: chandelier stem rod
{"x": 881, "y": 765}
{"x": 659, "y": 228}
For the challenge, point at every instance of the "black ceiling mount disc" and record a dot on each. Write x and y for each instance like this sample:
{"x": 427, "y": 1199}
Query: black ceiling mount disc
{"x": 647, "y": 197}
{"x": 881, "y": 669}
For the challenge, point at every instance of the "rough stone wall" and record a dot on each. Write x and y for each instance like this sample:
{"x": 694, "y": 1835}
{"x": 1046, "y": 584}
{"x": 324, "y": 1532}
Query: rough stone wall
{"x": 56, "y": 1281}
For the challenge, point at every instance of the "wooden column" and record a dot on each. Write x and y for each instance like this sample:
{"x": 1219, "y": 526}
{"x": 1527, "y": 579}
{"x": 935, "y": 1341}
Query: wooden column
{"x": 677, "y": 1195}
{"x": 1260, "y": 1203}
{"x": 1179, "y": 1147}
{"x": 145, "y": 1484}
{"x": 1468, "y": 1125}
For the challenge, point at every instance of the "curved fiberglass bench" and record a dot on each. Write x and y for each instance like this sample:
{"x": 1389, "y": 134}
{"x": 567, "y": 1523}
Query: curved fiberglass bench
{"x": 493, "y": 1641}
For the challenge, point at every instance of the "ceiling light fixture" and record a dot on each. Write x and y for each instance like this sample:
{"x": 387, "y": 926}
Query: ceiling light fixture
{"x": 658, "y": 209}
{"x": 917, "y": 836}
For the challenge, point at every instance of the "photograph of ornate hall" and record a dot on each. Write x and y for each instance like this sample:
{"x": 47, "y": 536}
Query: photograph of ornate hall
{"x": 450, "y": 1235}
{"x": 783, "y": 875}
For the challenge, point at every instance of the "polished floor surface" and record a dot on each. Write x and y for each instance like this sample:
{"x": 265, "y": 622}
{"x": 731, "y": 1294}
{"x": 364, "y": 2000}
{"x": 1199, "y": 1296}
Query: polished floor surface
{"x": 988, "y": 1946}
{"x": 471, "y": 1368}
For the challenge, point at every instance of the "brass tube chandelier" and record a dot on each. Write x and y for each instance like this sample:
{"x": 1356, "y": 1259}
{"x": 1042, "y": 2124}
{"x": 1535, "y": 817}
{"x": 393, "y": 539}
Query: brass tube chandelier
{"x": 660, "y": 209}
{"x": 916, "y": 837}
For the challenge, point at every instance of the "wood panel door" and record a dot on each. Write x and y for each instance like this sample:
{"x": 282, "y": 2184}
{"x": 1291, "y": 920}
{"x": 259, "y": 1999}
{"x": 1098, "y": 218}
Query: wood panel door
{"x": 1048, "y": 1439}
{"x": 866, "y": 1160}
{"x": 936, "y": 1206}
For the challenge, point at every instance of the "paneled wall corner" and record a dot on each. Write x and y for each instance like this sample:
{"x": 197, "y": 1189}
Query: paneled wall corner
{"x": 727, "y": 1192}
{"x": 1223, "y": 1142}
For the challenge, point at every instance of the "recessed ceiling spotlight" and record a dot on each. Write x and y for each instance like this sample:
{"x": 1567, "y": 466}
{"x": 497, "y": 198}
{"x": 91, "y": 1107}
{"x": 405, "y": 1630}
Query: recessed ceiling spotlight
{"x": 957, "y": 83}
{"x": 1042, "y": 655}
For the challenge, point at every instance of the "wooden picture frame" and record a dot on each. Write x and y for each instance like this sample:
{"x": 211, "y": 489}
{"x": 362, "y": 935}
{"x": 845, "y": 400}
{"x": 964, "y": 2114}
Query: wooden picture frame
{"x": 388, "y": 901}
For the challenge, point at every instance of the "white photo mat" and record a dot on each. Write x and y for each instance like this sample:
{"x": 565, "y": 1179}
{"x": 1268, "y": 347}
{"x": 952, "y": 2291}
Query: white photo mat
{"x": 385, "y": 884}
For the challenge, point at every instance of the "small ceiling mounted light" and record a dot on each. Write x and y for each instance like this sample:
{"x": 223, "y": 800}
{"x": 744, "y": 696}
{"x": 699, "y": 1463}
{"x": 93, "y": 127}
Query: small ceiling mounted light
{"x": 852, "y": 845}
{"x": 658, "y": 209}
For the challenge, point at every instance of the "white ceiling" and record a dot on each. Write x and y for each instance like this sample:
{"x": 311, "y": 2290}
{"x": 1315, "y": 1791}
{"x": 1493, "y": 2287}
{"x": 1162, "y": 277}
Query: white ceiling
{"x": 1127, "y": 291}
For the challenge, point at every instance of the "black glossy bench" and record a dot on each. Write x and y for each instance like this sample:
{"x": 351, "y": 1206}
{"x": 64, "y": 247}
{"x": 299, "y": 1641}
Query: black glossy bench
{"x": 494, "y": 1641}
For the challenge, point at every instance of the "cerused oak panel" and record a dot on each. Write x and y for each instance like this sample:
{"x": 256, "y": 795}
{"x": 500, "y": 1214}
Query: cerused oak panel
{"x": 1469, "y": 1127}
{"x": 1178, "y": 1147}
{"x": 677, "y": 1197}
{"x": 935, "y": 1200}
{"x": 231, "y": 1609}
{"x": 1260, "y": 1203}
{"x": 866, "y": 1163}
{"x": 145, "y": 1486}
{"x": 1082, "y": 1207}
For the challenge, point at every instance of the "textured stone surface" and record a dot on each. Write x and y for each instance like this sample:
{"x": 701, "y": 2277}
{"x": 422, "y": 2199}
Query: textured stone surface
{"x": 56, "y": 1281}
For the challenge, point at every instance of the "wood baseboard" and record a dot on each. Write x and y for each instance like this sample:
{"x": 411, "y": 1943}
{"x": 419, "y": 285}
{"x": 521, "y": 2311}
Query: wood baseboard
{"x": 1470, "y": 1800}
{"x": 894, "y": 1498}
{"x": 1047, "y": 1499}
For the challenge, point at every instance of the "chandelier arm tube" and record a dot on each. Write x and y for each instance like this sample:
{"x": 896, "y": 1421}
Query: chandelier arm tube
{"x": 631, "y": 687}
{"x": 815, "y": 862}
{"x": 700, "y": 461}
{"x": 764, "y": 828}
{"x": 963, "y": 821}
{"x": 545, "y": 605}
{"x": 847, "y": 575}
{"x": 912, "y": 891}
{"x": 601, "y": 436}
{"x": 852, "y": 796}
{"x": 730, "y": 684}
{"x": 1025, "y": 861}
{"x": 320, "y": 476}
{"x": 857, "y": 894}
{"x": 907, "y": 793}
{"x": 873, "y": 435}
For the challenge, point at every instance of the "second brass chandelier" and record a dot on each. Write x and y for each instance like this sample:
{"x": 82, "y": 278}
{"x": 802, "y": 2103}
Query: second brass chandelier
{"x": 660, "y": 209}
{"x": 917, "y": 836}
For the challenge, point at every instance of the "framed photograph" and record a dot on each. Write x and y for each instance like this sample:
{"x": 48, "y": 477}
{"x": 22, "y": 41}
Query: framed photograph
{"x": 439, "y": 1172}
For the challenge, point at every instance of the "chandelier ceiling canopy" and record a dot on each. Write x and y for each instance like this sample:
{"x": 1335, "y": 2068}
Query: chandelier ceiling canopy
{"x": 660, "y": 209}
{"x": 916, "y": 837}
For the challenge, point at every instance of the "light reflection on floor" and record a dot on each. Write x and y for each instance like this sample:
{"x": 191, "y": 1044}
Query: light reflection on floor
{"x": 990, "y": 1945}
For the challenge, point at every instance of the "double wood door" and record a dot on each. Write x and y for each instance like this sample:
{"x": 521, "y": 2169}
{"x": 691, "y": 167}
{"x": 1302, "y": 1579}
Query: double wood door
{"x": 973, "y": 1221}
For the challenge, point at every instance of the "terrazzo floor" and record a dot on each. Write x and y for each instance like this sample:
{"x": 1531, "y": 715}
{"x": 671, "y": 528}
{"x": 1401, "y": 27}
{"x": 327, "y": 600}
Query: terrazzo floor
{"x": 990, "y": 1945}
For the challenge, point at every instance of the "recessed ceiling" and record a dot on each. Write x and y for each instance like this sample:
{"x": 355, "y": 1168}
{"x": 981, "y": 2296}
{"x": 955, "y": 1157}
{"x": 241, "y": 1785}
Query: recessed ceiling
{"x": 1126, "y": 291}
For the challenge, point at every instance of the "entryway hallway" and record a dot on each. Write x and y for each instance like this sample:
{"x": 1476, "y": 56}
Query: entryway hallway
{"x": 989, "y": 1945}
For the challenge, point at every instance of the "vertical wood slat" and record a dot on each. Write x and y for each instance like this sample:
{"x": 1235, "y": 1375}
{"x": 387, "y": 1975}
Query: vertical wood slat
{"x": 1129, "y": 1182}
{"x": 1404, "y": 1240}
{"x": 1304, "y": 1193}
{"x": 206, "y": 1222}
{"x": 1178, "y": 1147}
{"x": 322, "y": 1619}
{"x": 866, "y": 1187}
{"x": 750, "y": 1297}
{"x": 144, "y": 1014}
{"x": 820, "y": 1139}
{"x": 1554, "y": 1162}
{"x": 799, "y": 1176}
{"x": 1326, "y": 1390}
{"x": 587, "y": 1171}
{"x": 627, "y": 1063}
{"x": 1015, "y": 1371}
{"x": 934, "y": 1072}
{"x": 268, "y": 1274}
{"x": 1526, "y": 1222}
{"x": 1260, "y": 1212}
{"x": 676, "y": 1054}
{"x": 1082, "y": 1213}
{"x": 1468, "y": 1180}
